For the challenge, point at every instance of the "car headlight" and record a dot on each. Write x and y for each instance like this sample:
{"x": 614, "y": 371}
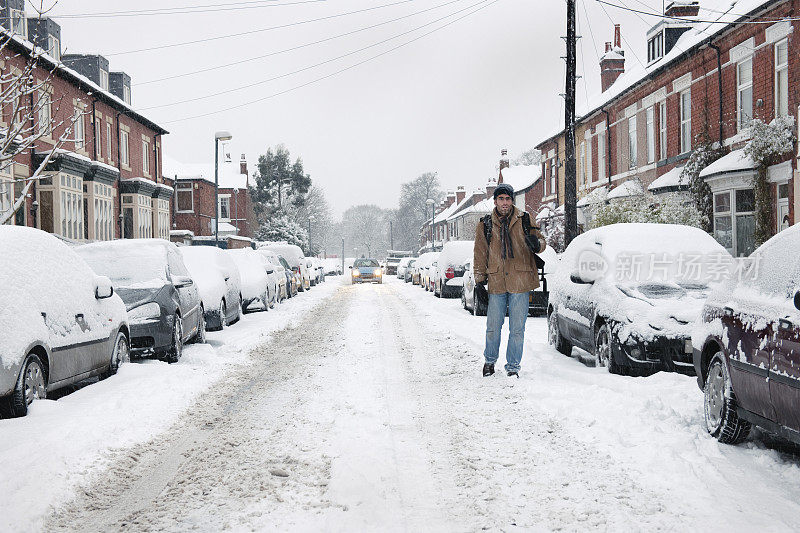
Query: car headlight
{"x": 145, "y": 312}
{"x": 377, "y": 272}
{"x": 356, "y": 273}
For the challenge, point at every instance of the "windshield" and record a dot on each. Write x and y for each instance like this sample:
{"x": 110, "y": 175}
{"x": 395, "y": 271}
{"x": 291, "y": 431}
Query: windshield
{"x": 127, "y": 266}
{"x": 361, "y": 263}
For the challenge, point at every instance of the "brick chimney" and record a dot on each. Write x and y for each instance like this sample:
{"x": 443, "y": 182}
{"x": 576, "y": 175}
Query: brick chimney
{"x": 461, "y": 193}
{"x": 682, "y": 9}
{"x": 503, "y": 159}
{"x": 490, "y": 187}
{"x": 451, "y": 198}
{"x": 612, "y": 63}
{"x": 243, "y": 165}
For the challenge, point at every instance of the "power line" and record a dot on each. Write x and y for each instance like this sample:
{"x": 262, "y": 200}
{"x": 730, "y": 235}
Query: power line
{"x": 623, "y": 37}
{"x": 208, "y": 8}
{"x": 693, "y": 19}
{"x": 251, "y": 32}
{"x": 309, "y": 67}
{"x": 591, "y": 32}
{"x": 263, "y": 56}
{"x": 332, "y": 74}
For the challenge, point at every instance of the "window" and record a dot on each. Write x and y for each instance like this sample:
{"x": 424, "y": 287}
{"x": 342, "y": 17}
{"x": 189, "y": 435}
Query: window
{"x": 734, "y": 220}
{"x": 553, "y": 176}
{"x": 54, "y": 47}
{"x": 104, "y": 79}
{"x": 70, "y": 193}
{"x": 651, "y": 135}
{"x": 80, "y": 133}
{"x": 225, "y": 211}
{"x": 18, "y": 23}
{"x": 185, "y": 197}
{"x": 686, "y": 121}
{"x": 45, "y": 114}
{"x": 126, "y": 94}
{"x": 655, "y": 47}
{"x": 123, "y": 147}
{"x": 103, "y": 211}
{"x": 6, "y": 195}
{"x": 662, "y": 129}
{"x": 632, "y": 142}
{"x": 583, "y": 165}
{"x": 108, "y": 142}
{"x": 601, "y": 155}
{"x": 145, "y": 158}
{"x": 744, "y": 93}
{"x": 782, "y": 78}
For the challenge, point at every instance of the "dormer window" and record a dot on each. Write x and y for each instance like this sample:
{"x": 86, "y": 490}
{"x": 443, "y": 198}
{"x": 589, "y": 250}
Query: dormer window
{"x": 104, "y": 79}
{"x": 126, "y": 92}
{"x": 54, "y": 47}
{"x": 655, "y": 47}
{"x": 18, "y": 23}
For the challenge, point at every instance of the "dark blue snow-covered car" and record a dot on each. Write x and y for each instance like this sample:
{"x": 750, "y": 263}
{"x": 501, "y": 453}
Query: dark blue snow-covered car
{"x": 366, "y": 270}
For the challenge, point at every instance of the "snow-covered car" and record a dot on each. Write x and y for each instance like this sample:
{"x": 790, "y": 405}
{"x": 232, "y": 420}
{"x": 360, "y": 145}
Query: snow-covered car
{"x": 276, "y": 273}
{"x": 315, "y": 270}
{"x": 294, "y": 256}
{"x": 427, "y": 273}
{"x": 291, "y": 279}
{"x": 450, "y": 267}
{"x": 164, "y": 306}
{"x": 470, "y": 301}
{"x": 257, "y": 287}
{"x": 402, "y": 265}
{"x": 218, "y": 283}
{"x": 421, "y": 265}
{"x": 747, "y": 345}
{"x": 408, "y": 273}
{"x": 366, "y": 270}
{"x": 61, "y": 322}
{"x": 624, "y": 292}
{"x": 332, "y": 266}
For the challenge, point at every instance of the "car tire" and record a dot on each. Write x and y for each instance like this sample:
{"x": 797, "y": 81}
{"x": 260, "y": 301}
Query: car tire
{"x": 721, "y": 419}
{"x": 603, "y": 352}
{"x": 120, "y": 354}
{"x": 175, "y": 351}
{"x": 200, "y": 336}
{"x": 554, "y": 336}
{"x": 223, "y": 314}
{"x": 31, "y": 385}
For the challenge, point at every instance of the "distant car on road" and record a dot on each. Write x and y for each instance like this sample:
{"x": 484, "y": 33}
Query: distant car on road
{"x": 402, "y": 265}
{"x": 366, "y": 270}
{"x": 747, "y": 346}
{"x": 61, "y": 322}
{"x": 164, "y": 306}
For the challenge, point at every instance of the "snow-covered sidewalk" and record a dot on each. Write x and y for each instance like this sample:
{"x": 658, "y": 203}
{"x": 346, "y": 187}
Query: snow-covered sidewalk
{"x": 49, "y": 453}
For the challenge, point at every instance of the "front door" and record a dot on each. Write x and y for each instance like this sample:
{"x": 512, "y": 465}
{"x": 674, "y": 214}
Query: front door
{"x": 783, "y": 207}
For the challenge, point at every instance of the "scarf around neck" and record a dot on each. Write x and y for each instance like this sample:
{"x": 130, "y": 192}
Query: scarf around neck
{"x": 505, "y": 238}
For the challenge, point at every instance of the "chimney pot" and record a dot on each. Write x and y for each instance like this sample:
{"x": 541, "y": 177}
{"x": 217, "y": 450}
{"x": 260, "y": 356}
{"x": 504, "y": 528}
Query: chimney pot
{"x": 617, "y": 36}
{"x": 608, "y": 46}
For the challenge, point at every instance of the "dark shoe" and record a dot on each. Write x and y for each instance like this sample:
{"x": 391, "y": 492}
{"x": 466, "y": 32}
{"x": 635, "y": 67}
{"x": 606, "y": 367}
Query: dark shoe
{"x": 488, "y": 369}
{"x": 514, "y": 373}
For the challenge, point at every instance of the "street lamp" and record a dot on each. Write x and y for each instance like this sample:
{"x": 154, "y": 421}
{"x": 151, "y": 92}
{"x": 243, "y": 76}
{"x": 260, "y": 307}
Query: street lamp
{"x": 223, "y": 136}
{"x": 310, "y": 220}
{"x": 432, "y": 205}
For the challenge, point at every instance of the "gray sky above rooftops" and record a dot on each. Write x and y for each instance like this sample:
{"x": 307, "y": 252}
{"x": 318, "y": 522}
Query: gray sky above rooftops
{"x": 447, "y": 102}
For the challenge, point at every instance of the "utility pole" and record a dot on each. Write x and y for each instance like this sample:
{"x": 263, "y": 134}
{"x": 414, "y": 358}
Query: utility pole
{"x": 570, "y": 194}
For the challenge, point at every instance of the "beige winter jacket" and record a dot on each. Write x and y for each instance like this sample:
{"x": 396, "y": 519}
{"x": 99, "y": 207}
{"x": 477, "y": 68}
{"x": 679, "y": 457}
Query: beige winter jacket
{"x": 517, "y": 274}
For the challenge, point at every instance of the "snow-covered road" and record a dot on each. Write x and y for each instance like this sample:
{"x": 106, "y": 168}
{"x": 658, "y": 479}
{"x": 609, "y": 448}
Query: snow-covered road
{"x": 368, "y": 412}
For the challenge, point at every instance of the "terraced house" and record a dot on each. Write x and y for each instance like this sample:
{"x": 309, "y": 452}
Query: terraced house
{"x": 103, "y": 180}
{"x": 712, "y": 67}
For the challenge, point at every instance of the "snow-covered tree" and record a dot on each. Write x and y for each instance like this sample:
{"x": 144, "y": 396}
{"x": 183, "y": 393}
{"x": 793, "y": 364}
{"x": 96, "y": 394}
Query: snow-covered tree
{"x": 414, "y": 210}
{"x": 705, "y": 153}
{"x": 528, "y": 157}
{"x": 645, "y": 207}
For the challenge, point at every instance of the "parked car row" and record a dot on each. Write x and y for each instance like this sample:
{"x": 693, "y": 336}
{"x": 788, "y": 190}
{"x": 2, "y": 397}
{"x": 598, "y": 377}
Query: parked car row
{"x": 73, "y": 313}
{"x": 643, "y": 298}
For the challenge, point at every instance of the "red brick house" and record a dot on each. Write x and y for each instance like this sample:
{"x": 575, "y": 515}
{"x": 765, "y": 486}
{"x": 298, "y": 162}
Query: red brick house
{"x": 645, "y": 121}
{"x": 105, "y": 182}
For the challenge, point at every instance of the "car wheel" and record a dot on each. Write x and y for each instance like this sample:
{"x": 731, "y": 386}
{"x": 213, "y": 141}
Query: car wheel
{"x": 200, "y": 336}
{"x": 223, "y": 314}
{"x": 722, "y": 421}
{"x": 602, "y": 350}
{"x": 554, "y": 336}
{"x": 31, "y": 385}
{"x": 176, "y": 350}
{"x": 120, "y": 354}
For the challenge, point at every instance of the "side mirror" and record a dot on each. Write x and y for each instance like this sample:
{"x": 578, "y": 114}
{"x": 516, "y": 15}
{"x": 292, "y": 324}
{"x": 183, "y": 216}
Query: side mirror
{"x": 576, "y": 277}
{"x": 269, "y": 269}
{"x": 350, "y": 267}
{"x": 103, "y": 288}
{"x": 797, "y": 300}
{"x": 183, "y": 281}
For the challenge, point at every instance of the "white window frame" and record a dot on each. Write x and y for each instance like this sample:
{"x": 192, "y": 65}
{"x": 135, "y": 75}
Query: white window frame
{"x": 45, "y": 113}
{"x": 126, "y": 94}
{"x": 742, "y": 89}
{"x": 662, "y": 129}
{"x": 6, "y": 195}
{"x": 79, "y": 130}
{"x": 109, "y": 139}
{"x": 145, "y": 157}
{"x": 54, "y": 47}
{"x": 781, "y": 103}
{"x": 228, "y": 218}
{"x": 601, "y": 155}
{"x": 104, "y": 79}
{"x": 686, "y": 120}
{"x": 183, "y": 187}
{"x": 554, "y": 177}
{"x": 584, "y": 176}
{"x": 633, "y": 149}
{"x": 19, "y": 24}
{"x": 650, "y": 131}
{"x": 124, "y": 155}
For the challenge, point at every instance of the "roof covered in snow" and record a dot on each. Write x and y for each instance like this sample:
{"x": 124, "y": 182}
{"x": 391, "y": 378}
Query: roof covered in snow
{"x": 482, "y": 207}
{"x": 230, "y": 176}
{"x": 521, "y": 176}
{"x": 626, "y": 189}
{"x": 733, "y": 162}
{"x": 594, "y": 196}
{"x": 668, "y": 179}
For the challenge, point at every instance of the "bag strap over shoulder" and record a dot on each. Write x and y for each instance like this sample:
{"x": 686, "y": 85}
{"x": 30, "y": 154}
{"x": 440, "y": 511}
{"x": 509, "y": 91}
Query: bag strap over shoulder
{"x": 487, "y": 228}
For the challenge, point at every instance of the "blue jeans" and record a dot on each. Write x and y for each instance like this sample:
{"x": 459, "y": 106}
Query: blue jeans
{"x": 517, "y": 304}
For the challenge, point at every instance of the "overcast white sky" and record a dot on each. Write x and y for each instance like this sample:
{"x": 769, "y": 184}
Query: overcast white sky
{"x": 447, "y": 102}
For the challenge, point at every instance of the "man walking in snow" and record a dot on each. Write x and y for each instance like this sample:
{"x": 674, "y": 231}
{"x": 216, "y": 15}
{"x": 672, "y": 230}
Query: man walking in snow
{"x": 505, "y": 244}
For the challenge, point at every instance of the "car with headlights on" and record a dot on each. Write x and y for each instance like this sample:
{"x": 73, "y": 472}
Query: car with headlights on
{"x": 164, "y": 306}
{"x": 629, "y": 294}
{"x": 366, "y": 270}
{"x": 61, "y": 322}
{"x": 218, "y": 282}
{"x": 747, "y": 345}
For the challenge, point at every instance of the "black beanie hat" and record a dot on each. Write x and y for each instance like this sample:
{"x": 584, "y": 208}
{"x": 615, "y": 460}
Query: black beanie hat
{"x": 504, "y": 188}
